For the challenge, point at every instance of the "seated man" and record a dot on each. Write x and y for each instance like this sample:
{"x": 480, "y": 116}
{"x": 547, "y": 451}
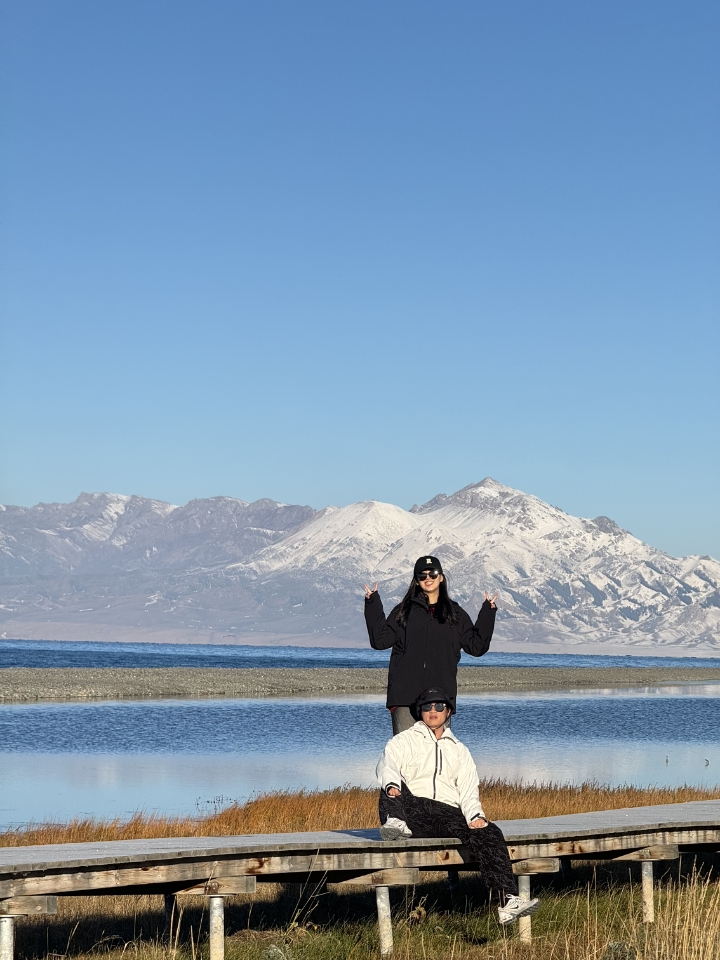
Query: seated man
{"x": 429, "y": 788}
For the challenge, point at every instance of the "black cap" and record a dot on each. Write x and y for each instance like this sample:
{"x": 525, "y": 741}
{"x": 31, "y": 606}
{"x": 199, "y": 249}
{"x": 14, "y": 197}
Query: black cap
{"x": 427, "y": 563}
{"x": 433, "y": 695}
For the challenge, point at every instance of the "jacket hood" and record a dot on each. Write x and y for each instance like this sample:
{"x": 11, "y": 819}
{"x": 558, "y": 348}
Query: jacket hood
{"x": 423, "y": 728}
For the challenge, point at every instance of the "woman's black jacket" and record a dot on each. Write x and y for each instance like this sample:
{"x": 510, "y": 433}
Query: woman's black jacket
{"x": 426, "y": 651}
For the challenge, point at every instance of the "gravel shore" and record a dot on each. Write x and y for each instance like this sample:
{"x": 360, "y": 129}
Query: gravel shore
{"x": 22, "y": 685}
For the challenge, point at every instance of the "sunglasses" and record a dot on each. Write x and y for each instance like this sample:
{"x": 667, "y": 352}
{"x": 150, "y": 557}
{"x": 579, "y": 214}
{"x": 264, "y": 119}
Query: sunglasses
{"x": 428, "y": 575}
{"x": 438, "y": 707}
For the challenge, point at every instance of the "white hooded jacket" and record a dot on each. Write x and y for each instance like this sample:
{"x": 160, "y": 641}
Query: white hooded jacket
{"x": 439, "y": 769}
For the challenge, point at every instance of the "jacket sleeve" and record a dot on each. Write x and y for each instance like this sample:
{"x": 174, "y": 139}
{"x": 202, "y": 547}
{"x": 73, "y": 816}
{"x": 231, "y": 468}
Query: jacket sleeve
{"x": 475, "y": 640}
{"x": 383, "y": 632}
{"x": 467, "y": 785}
{"x": 390, "y": 764}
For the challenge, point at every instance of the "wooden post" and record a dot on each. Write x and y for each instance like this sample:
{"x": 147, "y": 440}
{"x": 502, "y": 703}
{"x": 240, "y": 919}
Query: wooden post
{"x": 169, "y": 903}
{"x": 217, "y": 928}
{"x": 317, "y": 908}
{"x": 295, "y": 891}
{"x": 648, "y": 903}
{"x": 453, "y": 878}
{"x": 382, "y": 896}
{"x": 7, "y": 938}
{"x": 524, "y": 923}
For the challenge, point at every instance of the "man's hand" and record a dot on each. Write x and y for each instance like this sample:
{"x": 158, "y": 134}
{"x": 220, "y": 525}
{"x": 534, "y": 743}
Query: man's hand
{"x": 369, "y": 592}
{"x": 478, "y": 824}
{"x": 490, "y": 600}
{"x": 393, "y": 792}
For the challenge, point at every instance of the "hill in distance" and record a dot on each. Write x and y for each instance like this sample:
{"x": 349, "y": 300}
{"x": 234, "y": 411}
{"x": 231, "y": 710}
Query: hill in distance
{"x": 111, "y": 567}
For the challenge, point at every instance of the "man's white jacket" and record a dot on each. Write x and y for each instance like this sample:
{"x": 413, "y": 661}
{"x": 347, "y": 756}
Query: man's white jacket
{"x": 437, "y": 768}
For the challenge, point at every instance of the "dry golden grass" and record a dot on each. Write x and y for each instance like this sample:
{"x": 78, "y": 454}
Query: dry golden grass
{"x": 345, "y": 807}
{"x": 587, "y": 922}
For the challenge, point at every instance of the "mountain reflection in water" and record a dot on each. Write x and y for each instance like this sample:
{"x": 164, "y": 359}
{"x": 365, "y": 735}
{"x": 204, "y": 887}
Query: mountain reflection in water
{"x": 61, "y": 760}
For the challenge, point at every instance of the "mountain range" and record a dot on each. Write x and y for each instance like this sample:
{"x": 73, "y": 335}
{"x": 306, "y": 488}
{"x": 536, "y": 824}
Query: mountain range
{"x": 112, "y": 567}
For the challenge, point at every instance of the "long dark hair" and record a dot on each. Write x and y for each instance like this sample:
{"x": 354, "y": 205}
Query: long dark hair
{"x": 444, "y": 609}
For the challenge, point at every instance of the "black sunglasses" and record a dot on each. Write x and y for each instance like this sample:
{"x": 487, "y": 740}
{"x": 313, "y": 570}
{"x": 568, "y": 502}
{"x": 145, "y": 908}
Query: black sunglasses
{"x": 432, "y": 574}
{"x": 439, "y": 706}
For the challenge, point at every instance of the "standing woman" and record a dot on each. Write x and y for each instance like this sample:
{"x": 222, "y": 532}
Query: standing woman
{"x": 426, "y": 631}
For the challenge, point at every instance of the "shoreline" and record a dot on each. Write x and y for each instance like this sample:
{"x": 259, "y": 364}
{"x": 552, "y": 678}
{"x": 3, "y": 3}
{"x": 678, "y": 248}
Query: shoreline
{"x": 33, "y": 684}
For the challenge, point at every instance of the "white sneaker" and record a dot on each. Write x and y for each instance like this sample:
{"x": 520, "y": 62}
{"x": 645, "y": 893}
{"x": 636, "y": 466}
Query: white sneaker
{"x": 515, "y": 907}
{"x": 394, "y": 829}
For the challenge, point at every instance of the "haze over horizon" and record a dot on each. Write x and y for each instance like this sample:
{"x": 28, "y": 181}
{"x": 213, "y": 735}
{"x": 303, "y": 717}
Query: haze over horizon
{"x": 328, "y": 253}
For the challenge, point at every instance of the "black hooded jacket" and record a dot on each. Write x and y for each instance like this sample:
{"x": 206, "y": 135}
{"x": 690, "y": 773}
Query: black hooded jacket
{"x": 426, "y": 651}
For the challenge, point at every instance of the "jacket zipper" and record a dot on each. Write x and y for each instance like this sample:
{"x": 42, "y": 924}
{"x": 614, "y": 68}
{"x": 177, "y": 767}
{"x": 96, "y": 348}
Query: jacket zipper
{"x": 438, "y": 760}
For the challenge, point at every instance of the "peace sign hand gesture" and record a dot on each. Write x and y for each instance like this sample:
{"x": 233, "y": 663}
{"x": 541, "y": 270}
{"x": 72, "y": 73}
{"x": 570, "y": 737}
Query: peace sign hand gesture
{"x": 368, "y": 591}
{"x": 490, "y": 600}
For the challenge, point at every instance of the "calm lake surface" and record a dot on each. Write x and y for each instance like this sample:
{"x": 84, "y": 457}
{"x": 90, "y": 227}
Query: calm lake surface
{"x": 64, "y": 653}
{"x": 59, "y": 761}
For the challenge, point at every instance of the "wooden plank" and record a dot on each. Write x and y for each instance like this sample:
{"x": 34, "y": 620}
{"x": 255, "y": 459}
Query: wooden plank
{"x": 587, "y": 846}
{"x": 178, "y": 875}
{"x": 95, "y": 881}
{"x": 696, "y": 821}
{"x": 434, "y": 860}
{"x": 227, "y": 886}
{"x": 695, "y": 814}
{"x": 657, "y": 852}
{"x": 151, "y": 852}
{"x": 397, "y": 877}
{"x": 169, "y": 864}
{"x": 526, "y": 868}
{"x": 27, "y": 906}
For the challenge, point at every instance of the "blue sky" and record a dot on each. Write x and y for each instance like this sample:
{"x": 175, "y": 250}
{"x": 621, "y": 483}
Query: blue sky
{"x": 325, "y": 252}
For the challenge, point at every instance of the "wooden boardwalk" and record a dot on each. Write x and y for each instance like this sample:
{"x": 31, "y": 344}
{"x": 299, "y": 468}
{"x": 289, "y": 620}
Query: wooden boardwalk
{"x": 607, "y": 831}
{"x": 31, "y": 878}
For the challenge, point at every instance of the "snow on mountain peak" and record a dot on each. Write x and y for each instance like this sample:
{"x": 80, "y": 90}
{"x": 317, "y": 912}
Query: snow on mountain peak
{"x": 487, "y": 494}
{"x": 361, "y": 533}
{"x": 229, "y": 565}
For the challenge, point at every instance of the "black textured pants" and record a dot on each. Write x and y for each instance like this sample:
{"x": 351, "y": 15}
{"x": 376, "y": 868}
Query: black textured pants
{"x": 430, "y": 818}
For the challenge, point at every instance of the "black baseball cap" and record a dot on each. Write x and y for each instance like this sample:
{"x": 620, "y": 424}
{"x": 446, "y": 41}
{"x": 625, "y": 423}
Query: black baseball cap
{"x": 434, "y": 695}
{"x": 427, "y": 563}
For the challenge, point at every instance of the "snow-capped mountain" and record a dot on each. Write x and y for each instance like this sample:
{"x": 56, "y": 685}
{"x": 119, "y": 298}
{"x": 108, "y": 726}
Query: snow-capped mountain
{"x": 100, "y": 532}
{"x": 109, "y": 567}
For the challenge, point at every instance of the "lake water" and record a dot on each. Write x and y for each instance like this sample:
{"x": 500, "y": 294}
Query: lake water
{"x": 65, "y": 653}
{"x": 110, "y": 759}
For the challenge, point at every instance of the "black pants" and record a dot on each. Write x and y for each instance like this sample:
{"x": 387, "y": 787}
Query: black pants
{"x": 430, "y": 818}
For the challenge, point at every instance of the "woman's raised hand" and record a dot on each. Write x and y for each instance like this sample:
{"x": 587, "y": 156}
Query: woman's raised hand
{"x": 369, "y": 592}
{"x": 490, "y": 600}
